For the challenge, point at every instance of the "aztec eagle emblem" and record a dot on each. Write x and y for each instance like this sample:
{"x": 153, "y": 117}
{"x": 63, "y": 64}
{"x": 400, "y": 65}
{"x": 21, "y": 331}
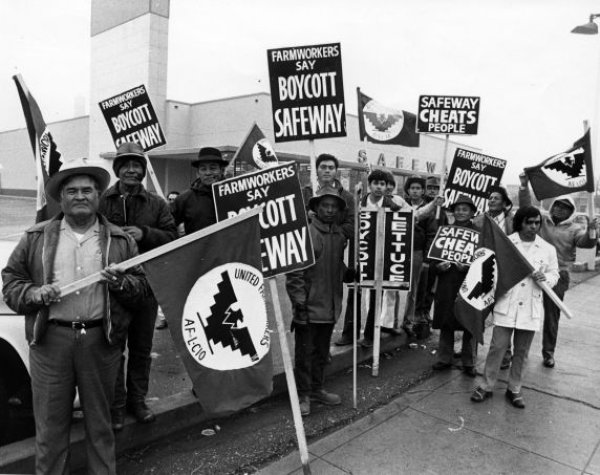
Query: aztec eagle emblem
{"x": 264, "y": 155}
{"x": 381, "y": 122}
{"x": 479, "y": 286}
{"x": 567, "y": 169}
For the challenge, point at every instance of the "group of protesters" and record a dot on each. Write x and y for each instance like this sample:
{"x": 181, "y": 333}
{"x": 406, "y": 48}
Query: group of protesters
{"x": 78, "y": 341}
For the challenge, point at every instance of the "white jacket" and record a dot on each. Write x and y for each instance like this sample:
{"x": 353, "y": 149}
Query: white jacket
{"x": 522, "y": 306}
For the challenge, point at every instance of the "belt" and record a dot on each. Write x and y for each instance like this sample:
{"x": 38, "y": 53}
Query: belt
{"x": 78, "y": 325}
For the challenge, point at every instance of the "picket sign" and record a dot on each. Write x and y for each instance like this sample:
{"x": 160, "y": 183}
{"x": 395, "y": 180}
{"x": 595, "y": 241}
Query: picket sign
{"x": 356, "y": 290}
{"x": 159, "y": 251}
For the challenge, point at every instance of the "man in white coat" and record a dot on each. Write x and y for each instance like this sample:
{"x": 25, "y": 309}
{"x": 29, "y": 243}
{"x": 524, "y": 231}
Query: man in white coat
{"x": 520, "y": 310}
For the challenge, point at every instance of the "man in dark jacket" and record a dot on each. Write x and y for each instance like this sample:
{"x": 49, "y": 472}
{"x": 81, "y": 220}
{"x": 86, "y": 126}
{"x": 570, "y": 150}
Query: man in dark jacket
{"x": 75, "y": 340}
{"x": 195, "y": 208}
{"x": 316, "y": 296}
{"x": 147, "y": 219}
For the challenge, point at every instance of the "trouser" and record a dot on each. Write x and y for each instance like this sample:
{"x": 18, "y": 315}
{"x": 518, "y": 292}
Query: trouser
{"x": 446, "y": 347}
{"x": 349, "y": 315}
{"x": 426, "y": 295}
{"x": 311, "y": 351}
{"x": 552, "y": 315}
{"x": 411, "y": 298}
{"x": 66, "y": 358}
{"x": 500, "y": 340}
{"x": 139, "y": 345}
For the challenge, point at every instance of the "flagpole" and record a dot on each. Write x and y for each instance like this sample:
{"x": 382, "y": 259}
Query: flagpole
{"x": 443, "y": 175}
{"x": 380, "y": 230}
{"x": 289, "y": 376}
{"x": 150, "y": 170}
{"x": 557, "y": 301}
{"x": 159, "y": 251}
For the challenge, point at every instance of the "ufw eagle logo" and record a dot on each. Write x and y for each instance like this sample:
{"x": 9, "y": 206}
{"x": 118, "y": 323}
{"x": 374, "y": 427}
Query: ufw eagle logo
{"x": 567, "y": 169}
{"x": 263, "y": 154}
{"x": 479, "y": 286}
{"x": 381, "y": 122}
{"x": 224, "y": 325}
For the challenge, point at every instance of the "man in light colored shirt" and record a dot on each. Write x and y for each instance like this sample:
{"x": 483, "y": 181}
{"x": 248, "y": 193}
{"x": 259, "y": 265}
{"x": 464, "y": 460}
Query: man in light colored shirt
{"x": 75, "y": 339}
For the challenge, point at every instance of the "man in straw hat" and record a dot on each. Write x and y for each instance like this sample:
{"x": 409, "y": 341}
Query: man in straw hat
{"x": 75, "y": 340}
{"x": 147, "y": 219}
{"x": 316, "y": 296}
{"x": 195, "y": 208}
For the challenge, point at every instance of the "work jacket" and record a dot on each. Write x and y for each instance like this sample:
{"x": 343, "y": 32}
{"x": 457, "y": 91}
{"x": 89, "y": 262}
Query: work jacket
{"x": 31, "y": 265}
{"x": 195, "y": 208}
{"x": 565, "y": 236}
{"x": 147, "y": 211}
{"x": 522, "y": 307}
{"x": 316, "y": 292}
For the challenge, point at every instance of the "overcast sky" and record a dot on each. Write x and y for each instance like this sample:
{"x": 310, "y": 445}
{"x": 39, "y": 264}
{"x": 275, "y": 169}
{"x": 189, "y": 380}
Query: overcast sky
{"x": 536, "y": 80}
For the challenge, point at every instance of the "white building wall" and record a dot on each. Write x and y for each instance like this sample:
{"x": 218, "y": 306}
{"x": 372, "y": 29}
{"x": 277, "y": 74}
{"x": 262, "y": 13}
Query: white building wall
{"x": 17, "y": 175}
{"x": 125, "y": 56}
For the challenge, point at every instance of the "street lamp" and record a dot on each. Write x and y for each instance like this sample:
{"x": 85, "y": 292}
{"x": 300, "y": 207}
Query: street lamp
{"x": 590, "y": 28}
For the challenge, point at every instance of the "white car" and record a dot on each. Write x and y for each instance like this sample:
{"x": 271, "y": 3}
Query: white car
{"x": 15, "y": 382}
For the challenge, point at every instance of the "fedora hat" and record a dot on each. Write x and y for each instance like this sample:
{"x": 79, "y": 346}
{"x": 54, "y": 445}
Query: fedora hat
{"x": 79, "y": 166}
{"x": 129, "y": 151}
{"x": 209, "y": 155}
{"x": 322, "y": 193}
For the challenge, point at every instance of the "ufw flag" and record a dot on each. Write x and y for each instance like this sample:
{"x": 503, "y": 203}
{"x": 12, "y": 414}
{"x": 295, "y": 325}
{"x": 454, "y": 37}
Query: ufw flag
{"x": 255, "y": 153}
{"x": 211, "y": 292}
{"x": 45, "y": 153}
{"x": 380, "y": 124}
{"x": 564, "y": 173}
{"x": 497, "y": 267}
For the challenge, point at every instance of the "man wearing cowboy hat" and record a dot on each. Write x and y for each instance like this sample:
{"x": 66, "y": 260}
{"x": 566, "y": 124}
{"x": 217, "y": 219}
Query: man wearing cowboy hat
{"x": 316, "y": 296}
{"x": 147, "y": 219}
{"x": 195, "y": 208}
{"x": 74, "y": 340}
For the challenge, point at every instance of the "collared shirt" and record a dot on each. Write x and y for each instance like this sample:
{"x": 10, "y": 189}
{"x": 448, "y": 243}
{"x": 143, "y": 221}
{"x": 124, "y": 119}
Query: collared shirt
{"x": 77, "y": 257}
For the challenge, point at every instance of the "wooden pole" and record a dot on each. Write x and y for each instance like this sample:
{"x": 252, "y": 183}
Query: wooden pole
{"x": 380, "y": 230}
{"x": 159, "y": 251}
{"x": 443, "y": 174}
{"x": 289, "y": 376}
{"x": 155, "y": 183}
{"x": 355, "y": 289}
{"x": 559, "y": 303}
{"x": 313, "y": 167}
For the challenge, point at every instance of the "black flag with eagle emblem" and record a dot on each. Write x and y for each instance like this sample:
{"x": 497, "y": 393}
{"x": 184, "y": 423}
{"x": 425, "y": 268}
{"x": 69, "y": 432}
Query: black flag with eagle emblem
{"x": 380, "y": 124}
{"x": 564, "y": 173}
{"x": 255, "y": 153}
{"x": 45, "y": 153}
{"x": 497, "y": 266}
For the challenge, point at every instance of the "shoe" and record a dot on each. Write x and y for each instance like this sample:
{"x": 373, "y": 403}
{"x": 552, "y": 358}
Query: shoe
{"x": 344, "y": 341}
{"x": 516, "y": 399}
{"x": 457, "y": 355}
{"x": 141, "y": 412}
{"x": 117, "y": 419}
{"x": 440, "y": 365}
{"x": 480, "y": 394}
{"x": 366, "y": 343}
{"x": 470, "y": 371}
{"x": 549, "y": 362}
{"x": 505, "y": 364}
{"x": 304, "y": 406}
{"x": 162, "y": 325}
{"x": 326, "y": 398}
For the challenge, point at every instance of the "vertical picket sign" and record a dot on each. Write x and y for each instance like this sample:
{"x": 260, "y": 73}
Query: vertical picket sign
{"x": 356, "y": 290}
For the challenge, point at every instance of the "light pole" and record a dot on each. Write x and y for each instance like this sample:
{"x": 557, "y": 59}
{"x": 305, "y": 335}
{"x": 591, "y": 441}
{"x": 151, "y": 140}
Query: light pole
{"x": 591, "y": 28}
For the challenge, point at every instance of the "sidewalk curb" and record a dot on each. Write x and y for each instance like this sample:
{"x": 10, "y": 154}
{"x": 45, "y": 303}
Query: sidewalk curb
{"x": 173, "y": 413}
